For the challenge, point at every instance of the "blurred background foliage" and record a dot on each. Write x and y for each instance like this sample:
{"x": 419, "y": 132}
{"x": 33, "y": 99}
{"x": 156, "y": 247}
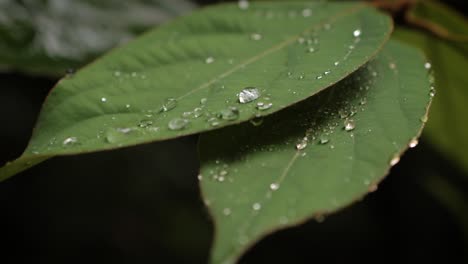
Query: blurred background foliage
{"x": 142, "y": 204}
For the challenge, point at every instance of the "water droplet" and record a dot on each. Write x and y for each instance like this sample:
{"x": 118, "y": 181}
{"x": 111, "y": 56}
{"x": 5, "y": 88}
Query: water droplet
{"x": 117, "y": 74}
{"x": 336, "y": 63}
{"x": 357, "y": 33}
{"x": 427, "y": 65}
{"x": 178, "y": 124}
{"x": 306, "y": 12}
{"x": 257, "y": 120}
{"x": 349, "y": 125}
{"x": 127, "y": 106}
{"x": 324, "y": 140}
{"x": 413, "y": 143}
{"x": 274, "y": 186}
{"x": 145, "y": 123}
{"x": 394, "y": 161}
{"x": 230, "y": 114}
{"x": 209, "y": 60}
{"x": 169, "y": 104}
{"x": 264, "y": 106}
{"x": 200, "y": 177}
{"x": 432, "y": 92}
{"x": 227, "y": 211}
{"x": 311, "y": 50}
{"x": 70, "y": 141}
{"x": 103, "y": 99}
{"x": 243, "y": 4}
{"x": 363, "y": 101}
{"x": 203, "y": 101}
{"x": 327, "y": 72}
{"x": 256, "y": 36}
{"x": 301, "y": 145}
{"x": 424, "y": 118}
{"x": 248, "y": 95}
{"x": 319, "y": 77}
{"x": 256, "y": 206}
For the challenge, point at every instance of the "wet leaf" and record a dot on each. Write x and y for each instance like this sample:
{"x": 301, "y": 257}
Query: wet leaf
{"x": 315, "y": 157}
{"x": 449, "y": 62}
{"x": 219, "y": 66}
{"x": 48, "y": 37}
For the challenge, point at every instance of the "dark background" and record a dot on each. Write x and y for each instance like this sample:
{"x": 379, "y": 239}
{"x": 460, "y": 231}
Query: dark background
{"x": 142, "y": 205}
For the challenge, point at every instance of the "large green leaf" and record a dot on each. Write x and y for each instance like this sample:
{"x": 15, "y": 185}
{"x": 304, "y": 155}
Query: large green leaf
{"x": 445, "y": 130}
{"x": 316, "y": 157}
{"x": 50, "y": 36}
{"x": 186, "y": 76}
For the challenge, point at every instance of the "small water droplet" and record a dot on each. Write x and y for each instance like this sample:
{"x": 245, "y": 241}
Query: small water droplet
{"x": 145, "y": 123}
{"x": 349, "y": 125}
{"x": 256, "y": 36}
{"x": 324, "y": 140}
{"x": 413, "y": 143}
{"x": 103, "y": 99}
{"x": 230, "y": 114}
{"x": 248, "y": 95}
{"x": 227, "y": 211}
{"x": 301, "y": 145}
{"x": 200, "y": 177}
{"x": 319, "y": 77}
{"x": 127, "y": 106}
{"x": 169, "y": 104}
{"x": 256, "y": 206}
{"x": 336, "y": 63}
{"x": 203, "y": 101}
{"x": 311, "y": 50}
{"x": 117, "y": 74}
{"x": 70, "y": 141}
{"x": 357, "y": 33}
{"x": 394, "y": 161}
{"x": 178, "y": 124}
{"x": 432, "y": 92}
{"x": 264, "y": 106}
{"x": 209, "y": 60}
{"x": 427, "y": 65}
{"x": 274, "y": 186}
{"x": 424, "y": 118}
{"x": 306, "y": 12}
{"x": 243, "y": 4}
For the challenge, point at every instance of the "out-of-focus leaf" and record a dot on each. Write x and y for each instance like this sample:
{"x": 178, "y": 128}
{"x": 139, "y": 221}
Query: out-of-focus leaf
{"x": 316, "y": 157}
{"x": 50, "y": 36}
{"x": 446, "y": 129}
{"x": 217, "y": 67}
{"x": 440, "y": 19}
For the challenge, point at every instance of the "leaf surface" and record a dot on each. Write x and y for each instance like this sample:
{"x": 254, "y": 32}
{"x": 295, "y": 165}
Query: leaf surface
{"x": 315, "y": 157}
{"x": 188, "y": 76}
{"x": 50, "y": 36}
{"x": 445, "y": 129}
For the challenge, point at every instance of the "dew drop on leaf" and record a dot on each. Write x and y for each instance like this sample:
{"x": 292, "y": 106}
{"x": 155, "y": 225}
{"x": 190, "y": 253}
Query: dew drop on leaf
{"x": 169, "y": 104}
{"x": 413, "y": 143}
{"x": 256, "y": 36}
{"x": 264, "y": 106}
{"x": 103, "y": 99}
{"x": 274, "y": 186}
{"x": 230, "y": 114}
{"x": 394, "y": 161}
{"x": 248, "y": 95}
{"x": 427, "y": 65}
{"x": 357, "y": 33}
{"x": 178, "y": 124}
{"x": 227, "y": 211}
{"x": 256, "y": 206}
{"x": 349, "y": 125}
{"x": 70, "y": 141}
{"x": 209, "y": 60}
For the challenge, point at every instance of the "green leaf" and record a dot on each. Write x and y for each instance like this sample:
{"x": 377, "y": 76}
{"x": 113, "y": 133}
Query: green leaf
{"x": 50, "y": 36}
{"x": 439, "y": 19}
{"x": 445, "y": 130}
{"x": 183, "y": 77}
{"x": 316, "y": 157}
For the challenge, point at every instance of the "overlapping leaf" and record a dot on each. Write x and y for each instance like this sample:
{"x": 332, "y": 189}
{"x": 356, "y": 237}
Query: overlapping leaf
{"x": 48, "y": 37}
{"x": 316, "y": 157}
{"x": 186, "y": 76}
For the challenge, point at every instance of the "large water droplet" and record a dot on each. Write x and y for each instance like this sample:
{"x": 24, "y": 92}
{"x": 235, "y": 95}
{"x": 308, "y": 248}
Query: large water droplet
{"x": 248, "y": 95}
{"x": 145, "y": 123}
{"x": 178, "y": 124}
